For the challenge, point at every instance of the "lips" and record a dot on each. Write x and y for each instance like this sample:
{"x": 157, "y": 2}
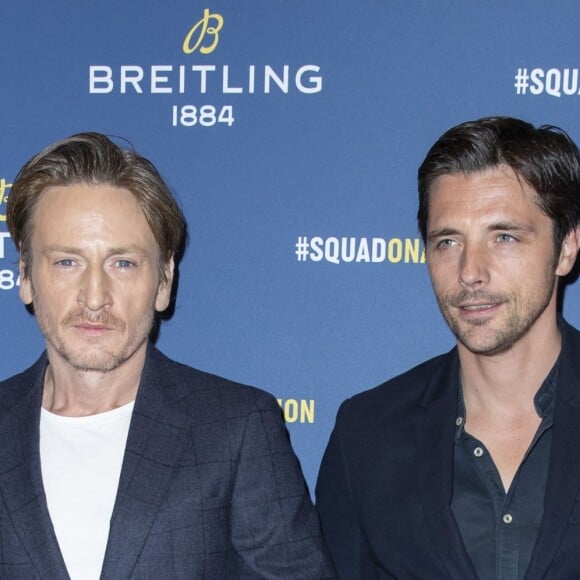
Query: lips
{"x": 103, "y": 322}
{"x": 477, "y": 307}
{"x": 92, "y": 329}
{"x": 478, "y": 312}
{"x": 86, "y": 326}
{"x": 475, "y": 301}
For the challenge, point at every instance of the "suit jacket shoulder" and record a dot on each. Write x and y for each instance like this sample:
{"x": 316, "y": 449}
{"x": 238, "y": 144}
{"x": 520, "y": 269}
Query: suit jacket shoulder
{"x": 214, "y": 395}
{"x": 210, "y": 486}
{"x": 376, "y": 483}
{"x": 17, "y": 387}
{"x": 394, "y": 399}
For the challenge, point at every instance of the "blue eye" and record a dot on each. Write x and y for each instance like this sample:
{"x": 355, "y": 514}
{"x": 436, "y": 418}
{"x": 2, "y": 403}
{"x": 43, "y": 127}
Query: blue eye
{"x": 506, "y": 238}
{"x": 125, "y": 264}
{"x": 65, "y": 263}
{"x": 446, "y": 243}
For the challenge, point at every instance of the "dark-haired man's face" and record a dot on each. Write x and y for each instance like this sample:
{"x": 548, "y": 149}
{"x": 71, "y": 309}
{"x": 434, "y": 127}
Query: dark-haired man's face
{"x": 492, "y": 259}
{"x": 95, "y": 278}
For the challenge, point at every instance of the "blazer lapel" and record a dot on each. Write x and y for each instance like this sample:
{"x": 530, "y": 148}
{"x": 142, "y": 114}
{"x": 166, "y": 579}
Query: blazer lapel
{"x": 21, "y": 479}
{"x": 563, "y": 483}
{"x": 435, "y": 434}
{"x": 155, "y": 443}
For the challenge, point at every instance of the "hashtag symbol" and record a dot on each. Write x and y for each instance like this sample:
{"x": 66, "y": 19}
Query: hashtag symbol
{"x": 302, "y": 250}
{"x": 522, "y": 81}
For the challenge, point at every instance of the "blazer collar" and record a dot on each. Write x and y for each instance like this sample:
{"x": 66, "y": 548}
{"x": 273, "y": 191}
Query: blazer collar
{"x": 563, "y": 483}
{"x": 157, "y": 435}
{"x": 435, "y": 434}
{"x": 20, "y": 472}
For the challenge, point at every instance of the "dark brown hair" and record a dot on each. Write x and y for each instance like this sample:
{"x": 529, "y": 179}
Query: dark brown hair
{"x": 545, "y": 158}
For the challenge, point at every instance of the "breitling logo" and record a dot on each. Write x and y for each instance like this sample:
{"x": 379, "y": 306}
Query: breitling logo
{"x": 205, "y": 30}
{"x": 4, "y": 187}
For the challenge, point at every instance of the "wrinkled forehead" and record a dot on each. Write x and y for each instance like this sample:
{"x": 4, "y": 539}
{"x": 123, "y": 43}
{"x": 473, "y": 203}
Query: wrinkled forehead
{"x": 82, "y": 213}
{"x": 496, "y": 194}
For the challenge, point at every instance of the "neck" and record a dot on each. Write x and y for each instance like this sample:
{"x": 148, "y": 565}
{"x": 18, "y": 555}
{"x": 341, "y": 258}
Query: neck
{"x": 509, "y": 380}
{"x": 75, "y": 393}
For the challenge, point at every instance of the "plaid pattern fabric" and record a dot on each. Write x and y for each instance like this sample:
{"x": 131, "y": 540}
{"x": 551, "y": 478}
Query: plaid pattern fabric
{"x": 210, "y": 487}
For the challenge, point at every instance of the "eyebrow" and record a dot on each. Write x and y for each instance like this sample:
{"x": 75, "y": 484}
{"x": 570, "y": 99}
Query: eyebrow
{"x": 442, "y": 233}
{"x": 512, "y": 227}
{"x": 132, "y": 249}
{"x": 494, "y": 227}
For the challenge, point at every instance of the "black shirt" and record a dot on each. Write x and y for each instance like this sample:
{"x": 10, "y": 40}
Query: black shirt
{"x": 499, "y": 529}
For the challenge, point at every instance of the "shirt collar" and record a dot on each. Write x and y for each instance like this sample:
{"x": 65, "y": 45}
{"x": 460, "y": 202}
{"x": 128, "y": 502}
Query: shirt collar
{"x": 543, "y": 400}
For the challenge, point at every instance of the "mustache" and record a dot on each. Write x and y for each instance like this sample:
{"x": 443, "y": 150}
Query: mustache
{"x": 103, "y": 318}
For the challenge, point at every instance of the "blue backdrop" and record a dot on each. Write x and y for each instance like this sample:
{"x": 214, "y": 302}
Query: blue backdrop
{"x": 291, "y": 132}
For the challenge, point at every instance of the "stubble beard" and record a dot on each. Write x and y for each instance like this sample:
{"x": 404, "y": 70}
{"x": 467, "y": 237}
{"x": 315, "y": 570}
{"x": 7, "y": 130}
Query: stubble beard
{"x": 500, "y": 336}
{"x": 98, "y": 360}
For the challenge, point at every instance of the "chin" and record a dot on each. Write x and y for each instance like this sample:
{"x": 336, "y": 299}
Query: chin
{"x": 93, "y": 362}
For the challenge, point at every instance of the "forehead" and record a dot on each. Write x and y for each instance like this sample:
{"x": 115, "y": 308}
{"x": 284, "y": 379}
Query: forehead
{"x": 494, "y": 193}
{"x": 80, "y": 213}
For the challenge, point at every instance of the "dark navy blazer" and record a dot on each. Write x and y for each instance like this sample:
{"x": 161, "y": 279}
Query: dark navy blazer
{"x": 210, "y": 487}
{"x": 386, "y": 480}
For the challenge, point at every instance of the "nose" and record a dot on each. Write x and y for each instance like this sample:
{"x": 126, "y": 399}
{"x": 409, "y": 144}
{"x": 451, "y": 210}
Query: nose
{"x": 94, "y": 293}
{"x": 474, "y": 266}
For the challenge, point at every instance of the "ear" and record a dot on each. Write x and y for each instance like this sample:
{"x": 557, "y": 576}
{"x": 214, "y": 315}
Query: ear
{"x": 164, "y": 289}
{"x": 25, "y": 284}
{"x": 568, "y": 252}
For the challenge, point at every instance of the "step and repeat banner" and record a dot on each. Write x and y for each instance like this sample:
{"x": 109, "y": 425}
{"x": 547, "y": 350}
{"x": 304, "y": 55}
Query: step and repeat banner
{"x": 291, "y": 132}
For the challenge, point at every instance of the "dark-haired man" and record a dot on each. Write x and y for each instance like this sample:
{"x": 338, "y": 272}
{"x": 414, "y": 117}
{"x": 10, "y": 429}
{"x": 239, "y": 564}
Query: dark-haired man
{"x": 468, "y": 466}
{"x": 116, "y": 462}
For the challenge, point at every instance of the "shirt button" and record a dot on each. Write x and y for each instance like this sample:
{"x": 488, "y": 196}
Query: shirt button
{"x": 459, "y": 421}
{"x": 478, "y": 452}
{"x": 507, "y": 519}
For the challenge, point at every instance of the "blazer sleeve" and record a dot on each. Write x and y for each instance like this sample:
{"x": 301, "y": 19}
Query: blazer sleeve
{"x": 275, "y": 530}
{"x": 338, "y": 513}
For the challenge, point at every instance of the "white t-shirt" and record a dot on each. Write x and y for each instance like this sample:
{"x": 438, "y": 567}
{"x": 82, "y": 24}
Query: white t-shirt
{"x": 81, "y": 460}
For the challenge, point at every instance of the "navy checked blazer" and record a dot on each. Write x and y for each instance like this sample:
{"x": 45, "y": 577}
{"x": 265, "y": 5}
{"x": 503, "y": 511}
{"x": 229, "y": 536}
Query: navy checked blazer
{"x": 210, "y": 487}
